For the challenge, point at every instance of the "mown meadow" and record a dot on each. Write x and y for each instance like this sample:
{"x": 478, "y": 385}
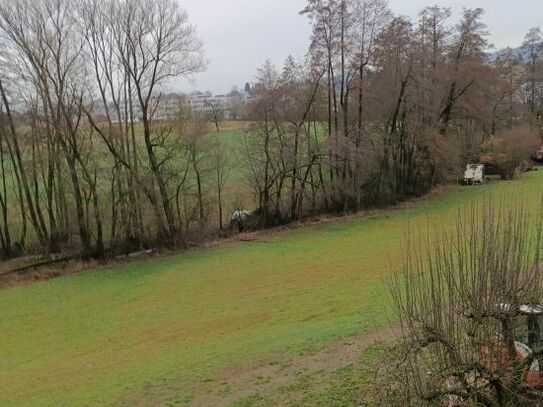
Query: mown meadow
{"x": 166, "y": 325}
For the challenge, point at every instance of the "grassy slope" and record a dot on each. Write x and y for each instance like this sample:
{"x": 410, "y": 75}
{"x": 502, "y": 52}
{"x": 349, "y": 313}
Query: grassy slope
{"x": 92, "y": 338}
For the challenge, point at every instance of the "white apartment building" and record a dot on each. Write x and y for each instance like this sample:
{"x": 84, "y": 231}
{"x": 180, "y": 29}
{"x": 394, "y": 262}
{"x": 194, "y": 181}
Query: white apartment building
{"x": 168, "y": 106}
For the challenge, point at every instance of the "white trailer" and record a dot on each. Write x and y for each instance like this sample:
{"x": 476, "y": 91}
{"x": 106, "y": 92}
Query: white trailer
{"x": 474, "y": 174}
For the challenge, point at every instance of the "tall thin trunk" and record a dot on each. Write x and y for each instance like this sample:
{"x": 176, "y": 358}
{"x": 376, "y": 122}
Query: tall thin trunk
{"x": 34, "y": 211}
{"x": 4, "y": 229}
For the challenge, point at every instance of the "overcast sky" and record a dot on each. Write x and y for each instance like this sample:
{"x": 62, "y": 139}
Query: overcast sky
{"x": 239, "y": 35}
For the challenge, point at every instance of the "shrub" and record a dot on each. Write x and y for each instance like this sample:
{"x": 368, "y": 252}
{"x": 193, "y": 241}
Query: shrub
{"x": 508, "y": 150}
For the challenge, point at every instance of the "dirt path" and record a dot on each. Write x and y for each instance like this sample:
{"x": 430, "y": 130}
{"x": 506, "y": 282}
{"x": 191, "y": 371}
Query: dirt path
{"x": 266, "y": 377}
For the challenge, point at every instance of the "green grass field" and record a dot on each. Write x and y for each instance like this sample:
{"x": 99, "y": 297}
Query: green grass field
{"x": 167, "y": 325}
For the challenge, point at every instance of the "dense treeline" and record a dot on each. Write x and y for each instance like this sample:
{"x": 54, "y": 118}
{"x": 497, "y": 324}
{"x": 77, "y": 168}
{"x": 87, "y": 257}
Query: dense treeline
{"x": 404, "y": 105}
{"x": 382, "y": 108}
{"x": 61, "y": 60}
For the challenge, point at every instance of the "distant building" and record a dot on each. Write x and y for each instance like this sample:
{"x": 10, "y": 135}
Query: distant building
{"x": 196, "y": 101}
{"x": 230, "y": 104}
{"x": 168, "y": 106}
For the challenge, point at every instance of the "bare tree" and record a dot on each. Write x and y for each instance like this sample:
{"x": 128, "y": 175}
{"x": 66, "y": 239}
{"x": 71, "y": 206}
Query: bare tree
{"x": 216, "y": 112}
{"x": 155, "y": 44}
{"x": 533, "y": 45}
{"x": 468, "y": 45}
{"x": 370, "y": 19}
{"x": 5, "y": 234}
{"x": 220, "y": 158}
{"x": 462, "y": 295}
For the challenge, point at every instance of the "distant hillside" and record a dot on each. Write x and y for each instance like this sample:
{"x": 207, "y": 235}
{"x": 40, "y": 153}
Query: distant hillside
{"x": 522, "y": 55}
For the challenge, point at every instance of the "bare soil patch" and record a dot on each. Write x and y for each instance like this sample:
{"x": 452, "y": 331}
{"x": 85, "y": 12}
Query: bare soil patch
{"x": 266, "y": 376}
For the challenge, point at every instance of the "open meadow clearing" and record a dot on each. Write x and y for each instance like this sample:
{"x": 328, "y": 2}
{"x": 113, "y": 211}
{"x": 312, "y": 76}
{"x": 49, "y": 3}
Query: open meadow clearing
{"x": 159, "y": 331}
{"x": 187, "y": 221}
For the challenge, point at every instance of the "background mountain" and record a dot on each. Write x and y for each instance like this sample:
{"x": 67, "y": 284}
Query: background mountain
{"x": 521, "y": 54}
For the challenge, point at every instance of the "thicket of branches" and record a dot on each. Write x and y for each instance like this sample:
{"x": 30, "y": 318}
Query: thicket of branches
{"x": 467, "y": 296}
{"x": 381, "y": 109}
